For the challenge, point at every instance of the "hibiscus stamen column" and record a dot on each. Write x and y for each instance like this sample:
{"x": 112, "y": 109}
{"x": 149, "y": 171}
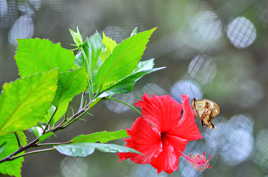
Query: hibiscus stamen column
{"x": 198, "y": 161}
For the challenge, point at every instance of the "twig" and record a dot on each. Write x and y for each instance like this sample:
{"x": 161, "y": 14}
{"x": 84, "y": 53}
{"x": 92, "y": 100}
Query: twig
{"x": 82, "y": 101}
{"x": 21, "y": 149}
{"x": 34, "y": 143}
{"x": 126, "y": 104}
{"x": 31, "y": 152}
{"x": 76, "y": 116}
{"x": 51, "y": 118}
{"x": 18, "y": 139}
{"x": 60, "y": 126}
{"x": 52, "y": 144}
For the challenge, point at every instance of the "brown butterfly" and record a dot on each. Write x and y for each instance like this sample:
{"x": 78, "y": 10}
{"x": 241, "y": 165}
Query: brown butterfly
{"x": 206, "y": 110}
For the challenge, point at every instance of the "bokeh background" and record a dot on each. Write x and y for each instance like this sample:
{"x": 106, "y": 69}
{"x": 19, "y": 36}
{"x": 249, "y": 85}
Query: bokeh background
{"x": 212, "y": 49}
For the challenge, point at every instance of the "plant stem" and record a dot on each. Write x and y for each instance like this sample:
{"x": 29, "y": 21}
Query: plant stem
{"x": 76, "y": 116}
{"x": 60, "y": 126}
{"x": 82, "y": 100}
{"x": 80, "y": 113}
{"x": 31, "y": 152}
{"x": 51, "y": 118}
{"x": 18, "y": 139}
{"x": 21, "y": 149}
{"x": 126, "y": 104}
{"x": 52, "y": 144}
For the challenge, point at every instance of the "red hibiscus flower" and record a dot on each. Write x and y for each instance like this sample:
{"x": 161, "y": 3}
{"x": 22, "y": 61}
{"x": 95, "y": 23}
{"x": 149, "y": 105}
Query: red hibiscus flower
{"x": 162, "y": 132}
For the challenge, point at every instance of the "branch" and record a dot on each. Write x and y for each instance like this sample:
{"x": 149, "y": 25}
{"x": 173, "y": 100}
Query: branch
{"x": 72, "y": 119}
{"x": 60, "y": 126}
{"x": 34, "y": 143}
{"x": 31, "y": 152}
{"x": 21, "y": 149}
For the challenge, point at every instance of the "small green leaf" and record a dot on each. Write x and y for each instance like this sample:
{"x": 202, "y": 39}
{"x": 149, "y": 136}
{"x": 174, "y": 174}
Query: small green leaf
{"x": 77, "y": 37}
{"x": 127, "y": 84}
{"x": 71, "y": 83}
{"x": 109, "y": 45}
{"x": 93, "y": 50}
{"x": 24, "y": 102}
{"x": 51, "y": 112}
{"x": 134, "y": 31}
{"x": 86, "y": 149}
{"x": 79, "y": 60}
{"x": 11, "y": 168}
{"x": 41, "y": 55}
{"x": 90, "y": 54}
{"x": 45, "y": 136}
{"x": 2, "y": 147}
{"x": 101, "y": 137}
{"x": 37, "y": 131}
{"x": 122, "y": 61}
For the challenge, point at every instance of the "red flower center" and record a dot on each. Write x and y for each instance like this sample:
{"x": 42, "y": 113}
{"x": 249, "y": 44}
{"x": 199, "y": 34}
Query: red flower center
{"x": 163, "y": 135}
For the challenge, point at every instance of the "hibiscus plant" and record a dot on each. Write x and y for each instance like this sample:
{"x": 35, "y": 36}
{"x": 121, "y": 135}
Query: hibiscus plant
{"x": 98, "y": 68}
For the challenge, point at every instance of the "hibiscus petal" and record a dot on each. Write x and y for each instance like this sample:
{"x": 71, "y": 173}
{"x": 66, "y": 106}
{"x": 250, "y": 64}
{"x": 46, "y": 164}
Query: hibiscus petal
{"x": 187, "y": 127}
{"x": 168, "y": 159}
{"x": 162, "y": 112}
{"x": 178, "y": 143}
{"x": 144, "y": 139}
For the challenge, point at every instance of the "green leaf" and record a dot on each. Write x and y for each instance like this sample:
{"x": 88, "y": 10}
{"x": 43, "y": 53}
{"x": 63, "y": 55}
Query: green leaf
{"x": 89, "y": 57}
{"x": 109, "y": 44}
{"x": 76, "y": 150}
{"x": 134, "y": 31}
{"x": 38, "y": 132}
{"x": 45, "y": 136}
{"x": 101, "y": 137}
{"x": 93, "y": 49}
{"x": 50, "y": 113}
{"x": 71, "y": 83}
{"x": 86, "y": 149}
{"x": 24, "y": 102}
{"x": 122, "y": 61}
{"x": 127, "y": 84}
{"x": 112, "y": 148}
{"x": 11, "y": 168}
{"x": 77, "y": 37}
{"x": 40, "y": 55}
{"x": 90, "y": 54}
{"x": 2, "y": 147}
{"x": 79, "y": 60}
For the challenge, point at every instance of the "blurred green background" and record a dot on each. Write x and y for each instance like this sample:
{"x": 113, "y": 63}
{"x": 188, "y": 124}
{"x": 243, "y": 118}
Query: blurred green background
{"x": 212, "y": 49}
